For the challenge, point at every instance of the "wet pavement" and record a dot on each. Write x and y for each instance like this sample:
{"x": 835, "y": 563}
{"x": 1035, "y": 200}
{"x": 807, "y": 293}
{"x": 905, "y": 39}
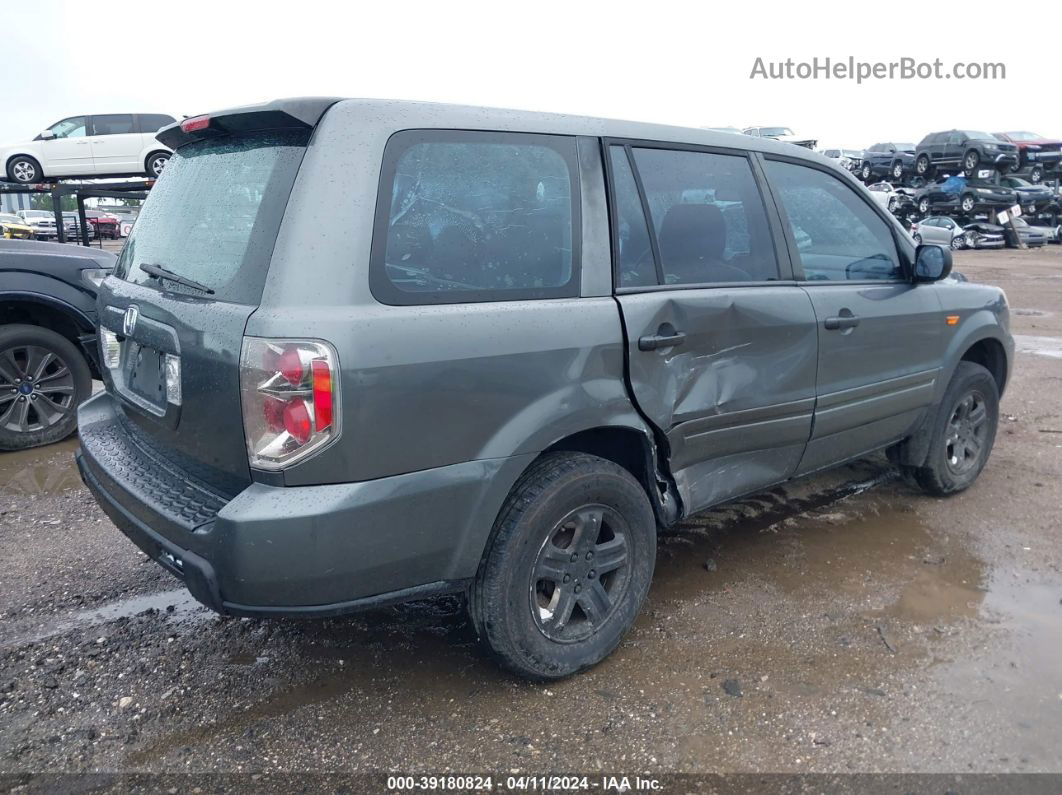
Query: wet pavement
{"x": 842, "y": 623}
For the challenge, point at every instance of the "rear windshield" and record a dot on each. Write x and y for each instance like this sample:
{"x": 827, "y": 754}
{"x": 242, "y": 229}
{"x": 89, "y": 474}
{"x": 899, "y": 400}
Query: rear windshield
{"x": 213, "y": 216}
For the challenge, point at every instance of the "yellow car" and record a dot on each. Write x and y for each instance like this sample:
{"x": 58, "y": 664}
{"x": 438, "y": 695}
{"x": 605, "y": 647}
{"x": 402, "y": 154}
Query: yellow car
{"x": 11, "y": 226}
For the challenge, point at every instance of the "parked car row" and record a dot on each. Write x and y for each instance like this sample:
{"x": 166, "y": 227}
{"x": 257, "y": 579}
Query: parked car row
{"x": 946, "y": 231}
{"x": 966, "y": 151}
{"x": 40, "y": 225}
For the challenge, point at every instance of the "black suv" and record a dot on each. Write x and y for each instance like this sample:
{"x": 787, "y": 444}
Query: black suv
{"x": 47, "y": 338}
{"x": 965, "y": 149}
{"x": 890, "y": 160}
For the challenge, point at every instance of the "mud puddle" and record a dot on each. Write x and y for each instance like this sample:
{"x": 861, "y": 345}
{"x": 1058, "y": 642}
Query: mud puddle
{"x": 45, "y": 470}
{"x": 1041, "y": 346}
{"x": 177, "y": 605}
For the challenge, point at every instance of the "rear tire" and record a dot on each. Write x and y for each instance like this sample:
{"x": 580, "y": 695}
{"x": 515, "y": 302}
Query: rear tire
{"x": 866, "y": 172}
{"x": 40, "y": 410}
{"x": 539, "y": 603}
{"x": 922, "y": 166}
{"x": 963, "y": 432}
{"x": 155, "y": 163}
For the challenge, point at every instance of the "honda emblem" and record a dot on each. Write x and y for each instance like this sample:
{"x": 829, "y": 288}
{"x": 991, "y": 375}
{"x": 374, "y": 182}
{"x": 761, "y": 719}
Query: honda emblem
{"x": 129, "y": 321}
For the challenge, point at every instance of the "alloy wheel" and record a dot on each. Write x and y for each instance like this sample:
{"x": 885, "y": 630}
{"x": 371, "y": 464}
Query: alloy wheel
{"x": 24, "y": 171}
{"x": 964, "y": 440}
{"x": 36, "y": 389}
{"x": 580, "y": 574}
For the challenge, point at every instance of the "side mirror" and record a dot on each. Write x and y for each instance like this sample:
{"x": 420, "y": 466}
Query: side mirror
{"x": 932, "y": 263}
{"x": 47, "y": 135}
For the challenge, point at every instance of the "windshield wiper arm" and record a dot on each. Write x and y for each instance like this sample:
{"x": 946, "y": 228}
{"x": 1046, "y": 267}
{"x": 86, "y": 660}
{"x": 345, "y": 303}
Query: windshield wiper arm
{"x": 160, "y": 272}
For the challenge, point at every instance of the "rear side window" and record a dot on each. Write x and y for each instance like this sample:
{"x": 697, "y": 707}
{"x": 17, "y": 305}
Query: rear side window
{"x": 838, "y": 236}
{"x": 214, "y": 215}
{"x": 476, "y": 216}
{"x": 153, "y": 122}
{"x": 708, "y": 217}
{"x": 115, "y": 124}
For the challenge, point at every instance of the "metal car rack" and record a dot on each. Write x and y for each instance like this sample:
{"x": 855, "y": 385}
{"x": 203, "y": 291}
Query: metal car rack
{"x": 132, "y": 189}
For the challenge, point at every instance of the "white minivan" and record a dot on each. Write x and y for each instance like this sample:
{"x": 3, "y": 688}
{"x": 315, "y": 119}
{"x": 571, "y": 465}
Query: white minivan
{"x": 108, "y": 145}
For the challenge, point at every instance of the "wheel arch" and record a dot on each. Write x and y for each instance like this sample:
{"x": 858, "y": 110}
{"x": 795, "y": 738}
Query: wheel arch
{"x": 30, "y": 155}
{"x": 990, "y": 354}
{"x": 63, "y": 318}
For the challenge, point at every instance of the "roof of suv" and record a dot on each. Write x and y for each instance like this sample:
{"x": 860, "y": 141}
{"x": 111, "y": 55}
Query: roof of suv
{"x": 306, "y": 111}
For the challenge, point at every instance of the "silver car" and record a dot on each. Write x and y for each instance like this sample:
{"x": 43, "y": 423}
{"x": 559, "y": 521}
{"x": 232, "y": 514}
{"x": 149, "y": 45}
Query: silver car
{"x": 941, "y": 230}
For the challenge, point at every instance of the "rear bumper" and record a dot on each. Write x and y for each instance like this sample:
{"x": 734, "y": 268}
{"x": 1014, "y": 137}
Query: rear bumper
{"x": 311, "y": 550}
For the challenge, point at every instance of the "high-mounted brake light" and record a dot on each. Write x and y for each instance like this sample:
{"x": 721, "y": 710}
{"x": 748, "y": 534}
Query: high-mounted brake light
{"x": 290, "y": 399}
{"x": 195, "y": 123}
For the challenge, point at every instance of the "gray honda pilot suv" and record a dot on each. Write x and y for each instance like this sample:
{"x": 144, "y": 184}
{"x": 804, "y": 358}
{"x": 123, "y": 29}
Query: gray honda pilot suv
{"x": 360, "y": 352}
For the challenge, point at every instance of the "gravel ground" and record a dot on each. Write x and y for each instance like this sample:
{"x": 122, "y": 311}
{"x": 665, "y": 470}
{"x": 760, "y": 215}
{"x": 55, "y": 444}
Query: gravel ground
{"x": 842, "y": 623}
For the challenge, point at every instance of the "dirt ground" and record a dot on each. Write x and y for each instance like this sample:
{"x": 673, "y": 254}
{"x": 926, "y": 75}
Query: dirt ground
{"x": 842, "y": 623}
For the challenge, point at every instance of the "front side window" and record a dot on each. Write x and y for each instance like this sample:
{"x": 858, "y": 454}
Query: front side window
{"x": 708, "y": 217}
{"x": 838, "y": 236}
{"x": 476, "y": 216}
{"x": 74, "y": 127}
{"x": 115, "y": 124}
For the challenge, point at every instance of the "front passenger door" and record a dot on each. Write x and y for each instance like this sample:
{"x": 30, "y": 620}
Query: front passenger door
{"x": 69, "y": 152}
{"x": 721, "y": 344}
{"x": 881, "y": 336}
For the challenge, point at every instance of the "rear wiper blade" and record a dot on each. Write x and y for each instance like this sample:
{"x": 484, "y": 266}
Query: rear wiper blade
{"x": 160, "y": 272}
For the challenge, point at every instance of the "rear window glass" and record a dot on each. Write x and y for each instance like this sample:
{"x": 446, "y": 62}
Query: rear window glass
{"x": 214, "y": 214}
{"x": 476, "y": 216}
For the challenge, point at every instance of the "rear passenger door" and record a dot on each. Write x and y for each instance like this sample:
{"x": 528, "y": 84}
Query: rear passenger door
{"x": 880, "y": 335}
{"x": 721, "y": 342}
{"x": 115, "y": 143}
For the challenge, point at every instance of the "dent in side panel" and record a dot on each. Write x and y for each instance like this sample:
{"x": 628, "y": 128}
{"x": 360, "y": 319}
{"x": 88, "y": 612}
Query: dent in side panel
{"x": 428, "y": 386}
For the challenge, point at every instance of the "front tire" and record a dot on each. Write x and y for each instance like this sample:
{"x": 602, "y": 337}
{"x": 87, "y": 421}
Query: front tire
{"x": 970, "y": 161}
{"x": 963, "y": 432}
{"x": 24, "y": 170}
{"x": 967, "y": 204}
{"x": 568, "y": 568}
{"x": 43, "y": 379}
{"x": 897, "y": 170}
{"x": 958, "y": 243}
{"x": 866, "y": 173}
{"x": 1036, "y": 175}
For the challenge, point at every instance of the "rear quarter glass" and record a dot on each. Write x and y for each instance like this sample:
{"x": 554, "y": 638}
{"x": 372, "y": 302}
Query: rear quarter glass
{"x": 214, "y": 215}
{"x": 472, "y": 216}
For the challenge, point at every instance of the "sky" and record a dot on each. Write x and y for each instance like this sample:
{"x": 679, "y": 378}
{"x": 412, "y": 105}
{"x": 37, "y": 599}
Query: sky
{"x": 672, "y": 62}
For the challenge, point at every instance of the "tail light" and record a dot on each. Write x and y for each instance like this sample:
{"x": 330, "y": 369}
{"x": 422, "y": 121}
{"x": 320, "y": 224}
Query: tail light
{"x": 290, "y": 394}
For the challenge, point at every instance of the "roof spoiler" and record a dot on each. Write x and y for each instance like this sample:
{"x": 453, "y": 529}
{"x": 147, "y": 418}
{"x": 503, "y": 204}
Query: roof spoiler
{"x": 300, "y": 113}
